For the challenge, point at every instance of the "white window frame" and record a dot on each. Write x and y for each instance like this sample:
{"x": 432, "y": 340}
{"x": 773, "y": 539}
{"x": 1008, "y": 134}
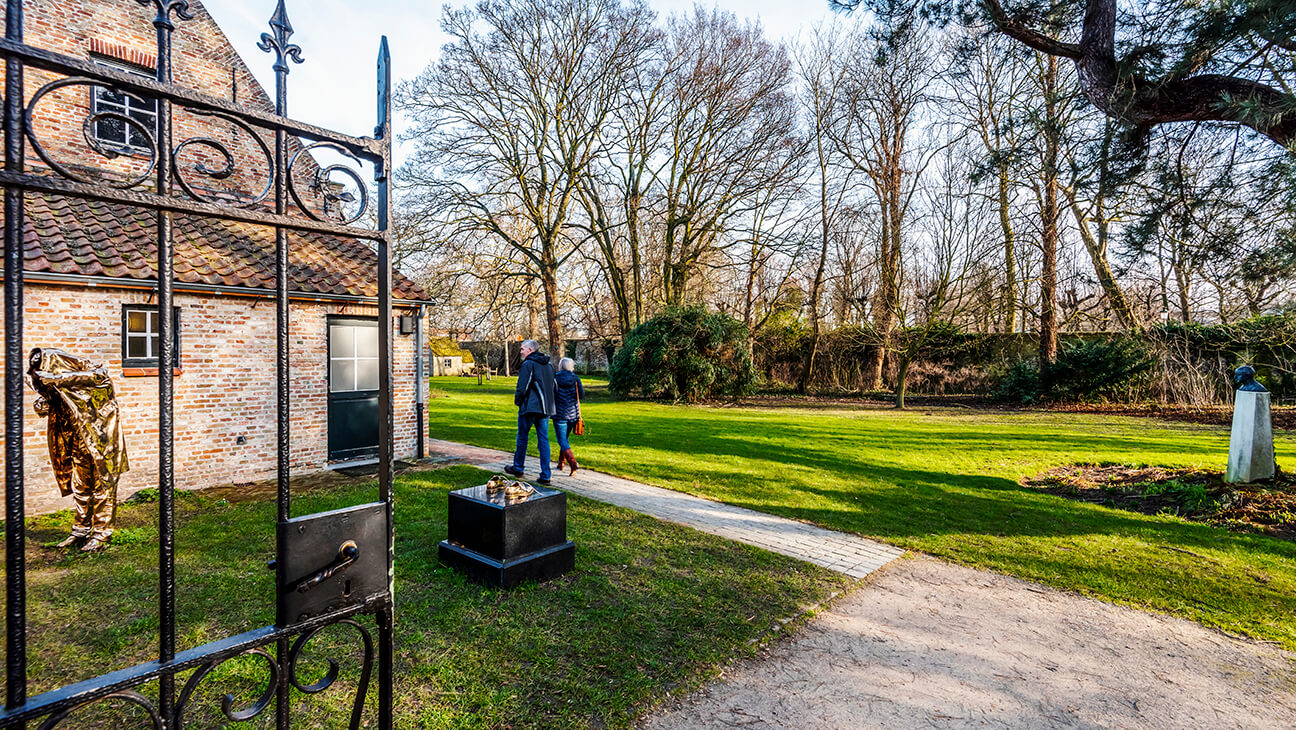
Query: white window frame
{"x": 149, "y": 334}
{"x": 355, "y": 359}
{"x": 132, "y": 106}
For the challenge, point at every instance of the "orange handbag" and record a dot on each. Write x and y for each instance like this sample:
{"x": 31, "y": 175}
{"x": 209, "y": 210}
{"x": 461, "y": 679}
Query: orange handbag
{"x": 579, "y": 428}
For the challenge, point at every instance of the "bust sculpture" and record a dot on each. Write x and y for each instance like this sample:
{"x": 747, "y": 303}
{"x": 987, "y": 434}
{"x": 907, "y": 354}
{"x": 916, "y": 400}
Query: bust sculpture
{"x": 1251, "y": 452}
{"x": 1246, "y": 382}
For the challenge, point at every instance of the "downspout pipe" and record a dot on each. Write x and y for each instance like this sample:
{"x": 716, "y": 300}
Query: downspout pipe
{"x": 420, "y": 387}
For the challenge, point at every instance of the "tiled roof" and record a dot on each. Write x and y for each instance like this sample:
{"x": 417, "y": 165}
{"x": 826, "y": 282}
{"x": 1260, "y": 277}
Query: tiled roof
{"x": 66, "y": 235}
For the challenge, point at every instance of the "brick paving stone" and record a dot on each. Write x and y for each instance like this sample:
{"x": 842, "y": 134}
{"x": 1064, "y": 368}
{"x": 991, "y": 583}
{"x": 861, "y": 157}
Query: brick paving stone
{"x": 842, "y": 552}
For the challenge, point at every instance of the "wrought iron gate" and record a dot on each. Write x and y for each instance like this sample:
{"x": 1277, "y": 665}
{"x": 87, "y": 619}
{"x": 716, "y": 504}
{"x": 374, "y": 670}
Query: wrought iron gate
{"x": 331, "y": 568}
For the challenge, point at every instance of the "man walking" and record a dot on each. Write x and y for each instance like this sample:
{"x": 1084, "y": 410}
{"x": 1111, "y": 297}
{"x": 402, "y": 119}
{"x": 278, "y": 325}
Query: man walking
{"x": 534, "y": 398}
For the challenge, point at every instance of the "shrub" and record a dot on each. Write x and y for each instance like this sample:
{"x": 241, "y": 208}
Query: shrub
{"x": 1084, "y": 370}
{"x": 1090, "y": 369}
{"x": 782, "y": 341}
{"x": 1021, "y": 384}
{"x": 683, "y": 354}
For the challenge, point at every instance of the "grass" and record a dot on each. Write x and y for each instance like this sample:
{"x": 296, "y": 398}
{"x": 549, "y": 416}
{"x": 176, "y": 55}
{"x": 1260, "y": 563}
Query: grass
{"x": 943, "y": 481}
{"x": 651, "y": 608}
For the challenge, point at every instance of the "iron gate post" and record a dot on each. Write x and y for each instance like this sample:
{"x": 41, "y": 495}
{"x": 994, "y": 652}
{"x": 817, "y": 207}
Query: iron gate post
{"x": 15, "y": 509}
{"x": 382, "y": 173}
{"x": 166, "y": 358}
{"x": 279, "y": 43}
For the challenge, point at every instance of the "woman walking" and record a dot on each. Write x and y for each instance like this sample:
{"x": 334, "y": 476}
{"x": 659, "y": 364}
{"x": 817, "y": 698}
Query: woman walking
{"x": 568, "y": 393}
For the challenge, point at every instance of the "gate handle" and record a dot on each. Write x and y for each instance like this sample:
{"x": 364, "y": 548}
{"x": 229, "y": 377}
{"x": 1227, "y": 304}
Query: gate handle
{"x": 347, "y": 554}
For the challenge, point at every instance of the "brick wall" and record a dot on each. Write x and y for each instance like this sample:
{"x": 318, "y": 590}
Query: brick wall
{"x": 226, "y": 389}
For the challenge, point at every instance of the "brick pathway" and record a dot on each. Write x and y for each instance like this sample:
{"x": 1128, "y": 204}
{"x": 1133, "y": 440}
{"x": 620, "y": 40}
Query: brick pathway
{"x": 842, "y": 552}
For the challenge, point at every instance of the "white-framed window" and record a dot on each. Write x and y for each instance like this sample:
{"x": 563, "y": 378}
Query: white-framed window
{"x": 140, "y": 336}
{"x": 113, "y": 133}
{"x": 353, "y": 356}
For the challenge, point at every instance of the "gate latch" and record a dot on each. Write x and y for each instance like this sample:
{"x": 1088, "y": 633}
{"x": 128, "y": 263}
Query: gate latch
{"x": 330, "y": 561}
{"x": 346, "y": 556}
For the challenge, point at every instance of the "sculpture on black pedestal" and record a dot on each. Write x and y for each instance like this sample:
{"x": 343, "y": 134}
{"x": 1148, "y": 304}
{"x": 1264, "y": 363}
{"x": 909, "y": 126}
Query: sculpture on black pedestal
{"x": 86, "y": 446}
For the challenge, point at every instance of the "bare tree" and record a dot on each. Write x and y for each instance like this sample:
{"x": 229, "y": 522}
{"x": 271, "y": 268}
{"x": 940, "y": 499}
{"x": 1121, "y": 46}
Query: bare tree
{"x": 1094, "y": 217}
{"x": 511, "y": 116}
{"x": 617, "y": 191}
{"x": 729, "y": 116}
{"x": 891, "y": 76}
{"x": 989, "y": 97}
{"x": 1051, "y": 130}
{"x": 822, "y": 71}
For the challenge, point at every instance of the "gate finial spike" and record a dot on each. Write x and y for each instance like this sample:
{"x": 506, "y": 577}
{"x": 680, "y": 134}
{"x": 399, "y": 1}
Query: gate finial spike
{"x": 166, "y": 8}
{"x": 279, "y": 21}
{"x": 278, "y": 43}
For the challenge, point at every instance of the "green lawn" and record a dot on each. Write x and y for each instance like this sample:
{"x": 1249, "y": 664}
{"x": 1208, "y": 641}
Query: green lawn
{"x": 651, "y": 608}
{"x": 943, "y": 481}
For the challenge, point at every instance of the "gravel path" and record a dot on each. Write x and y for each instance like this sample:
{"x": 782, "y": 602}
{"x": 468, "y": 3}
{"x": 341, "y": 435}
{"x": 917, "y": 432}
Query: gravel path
{"x": 928, "y": 644}
{"x": 924, "y": 644}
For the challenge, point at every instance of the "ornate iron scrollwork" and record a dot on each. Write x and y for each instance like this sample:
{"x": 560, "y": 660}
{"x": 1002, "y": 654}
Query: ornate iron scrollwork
{"x": 278, "y": 43}
{"x": 166, "y": 8}
{"x": 227, "y": 702}
{"x": 229, "y": 167}
{"x": 87, "y": 127}
{"x": 130, "y": 696}
{"x": 331, "y": 674}
{"x": 321, "y": 183}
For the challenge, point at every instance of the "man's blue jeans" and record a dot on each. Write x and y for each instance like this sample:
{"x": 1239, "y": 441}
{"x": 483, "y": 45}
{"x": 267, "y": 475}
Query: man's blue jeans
{"x": 527, "y": 421}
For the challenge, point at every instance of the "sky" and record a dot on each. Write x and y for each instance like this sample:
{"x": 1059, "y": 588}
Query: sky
{"x": 335, "y": 87}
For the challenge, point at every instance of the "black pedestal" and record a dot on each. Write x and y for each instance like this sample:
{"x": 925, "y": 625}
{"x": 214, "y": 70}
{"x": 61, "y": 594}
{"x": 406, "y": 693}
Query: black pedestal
{"x": 501, "y": 542}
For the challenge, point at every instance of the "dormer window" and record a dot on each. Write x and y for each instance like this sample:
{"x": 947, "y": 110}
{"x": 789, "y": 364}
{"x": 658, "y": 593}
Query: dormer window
{"x": 114, "y": 133}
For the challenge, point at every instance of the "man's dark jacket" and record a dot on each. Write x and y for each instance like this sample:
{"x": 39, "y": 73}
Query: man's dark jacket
{"x": 535, "y": 386}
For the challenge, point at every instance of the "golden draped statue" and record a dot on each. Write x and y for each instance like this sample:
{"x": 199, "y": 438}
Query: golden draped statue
{"x": 86, "y": 445}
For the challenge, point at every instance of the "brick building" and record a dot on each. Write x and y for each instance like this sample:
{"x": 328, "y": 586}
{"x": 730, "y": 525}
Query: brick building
{"x": 90, "y": 272}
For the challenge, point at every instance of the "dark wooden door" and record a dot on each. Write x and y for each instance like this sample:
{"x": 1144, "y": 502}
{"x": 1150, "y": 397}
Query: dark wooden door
{"x": 353, "y": 389}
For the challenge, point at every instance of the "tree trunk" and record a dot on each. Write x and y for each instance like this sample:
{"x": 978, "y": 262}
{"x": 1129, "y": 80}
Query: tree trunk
{"x": 533, "y": 312}
{"x": 749, "y": 297}
{"x": 1182, "y": 285}
{"x": 883, "y": 313}
{"x": 803, "y": 385}
{"x": 1102, "y": 269}
{"x": 888, "y": 301}
{"x": 1009, "y": 303}
{"x": 1048, "y": 340}
{"x": 636, "y": 268}
{"x": 549, "y": 282}
{"x": 902, "y": 376}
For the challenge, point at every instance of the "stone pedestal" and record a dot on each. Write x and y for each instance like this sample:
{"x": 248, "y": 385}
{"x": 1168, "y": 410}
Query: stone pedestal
{"x": 1251, "y": 450}
{"x": 502, "y": 542}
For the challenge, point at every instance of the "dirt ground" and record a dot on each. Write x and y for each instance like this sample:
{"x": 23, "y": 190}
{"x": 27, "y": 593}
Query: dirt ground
{"x": 1198, "y": 494}
{"x": 928, "y": 644}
